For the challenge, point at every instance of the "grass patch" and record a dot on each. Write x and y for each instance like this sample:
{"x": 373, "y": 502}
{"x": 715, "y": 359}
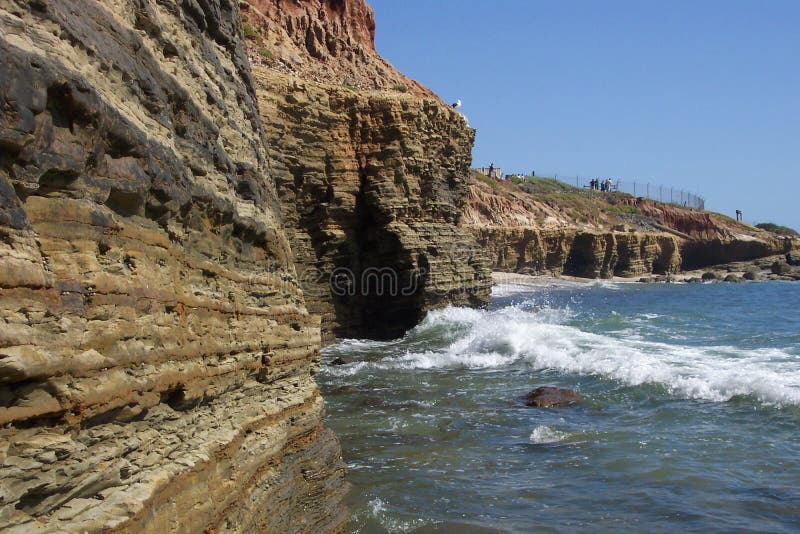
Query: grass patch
{"x": 400, "y": 87}
{"x": 266, "y": 54}
{"x": 250, "y": 32}
{"x": 777, "y": 229}
{"x": 626, "y": 210}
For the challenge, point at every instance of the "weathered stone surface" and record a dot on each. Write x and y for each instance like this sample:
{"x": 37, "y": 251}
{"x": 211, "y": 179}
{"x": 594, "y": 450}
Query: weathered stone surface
{"x": 579, "y": 253}
{"x": 156, "y": 355}
{"x": 549, "y": 396}
{"x": 323, "y": 41}
{"x": 371, "y": 183}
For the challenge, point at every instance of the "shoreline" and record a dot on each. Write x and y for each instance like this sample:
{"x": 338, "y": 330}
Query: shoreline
{"x": 763, "y": 267}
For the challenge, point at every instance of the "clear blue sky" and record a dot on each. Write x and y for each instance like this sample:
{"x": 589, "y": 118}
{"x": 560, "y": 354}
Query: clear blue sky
{"x": 699, "y": 95}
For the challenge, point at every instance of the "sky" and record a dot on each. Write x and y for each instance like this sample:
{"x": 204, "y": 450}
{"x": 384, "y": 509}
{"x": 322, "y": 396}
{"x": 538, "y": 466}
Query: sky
{"x": 698, "y": 95}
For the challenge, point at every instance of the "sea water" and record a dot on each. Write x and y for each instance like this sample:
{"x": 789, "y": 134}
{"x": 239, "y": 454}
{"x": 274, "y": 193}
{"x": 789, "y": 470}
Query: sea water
{"x": 690, "y": 419}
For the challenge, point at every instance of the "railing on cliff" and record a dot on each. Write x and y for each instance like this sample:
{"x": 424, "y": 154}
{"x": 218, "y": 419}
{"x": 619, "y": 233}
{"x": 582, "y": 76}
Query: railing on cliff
{"x": 660, "y": 193}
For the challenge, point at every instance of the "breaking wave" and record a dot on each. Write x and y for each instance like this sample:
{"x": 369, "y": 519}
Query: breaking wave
{"x": 542, "y": 339}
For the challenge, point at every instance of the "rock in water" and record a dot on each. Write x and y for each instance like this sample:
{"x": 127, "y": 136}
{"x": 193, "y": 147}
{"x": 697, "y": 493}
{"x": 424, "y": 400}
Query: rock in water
{"x": 341, "y": 361}
{"x": 549, "y": 396}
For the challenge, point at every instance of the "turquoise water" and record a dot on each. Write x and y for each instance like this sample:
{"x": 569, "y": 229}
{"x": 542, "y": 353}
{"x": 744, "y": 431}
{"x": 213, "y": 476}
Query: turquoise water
{"x": 691, "y": 418}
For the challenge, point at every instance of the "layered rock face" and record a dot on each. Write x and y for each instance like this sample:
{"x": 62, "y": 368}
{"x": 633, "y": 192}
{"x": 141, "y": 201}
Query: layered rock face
{"x": 156, "y": 355}
{"x": 573, "y": 252}
{"x": 372, "y": 183}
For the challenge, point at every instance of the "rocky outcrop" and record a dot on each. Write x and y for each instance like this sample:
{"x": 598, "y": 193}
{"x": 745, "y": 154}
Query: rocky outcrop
{"x": 578, "y": 253}
{"x": 156, "y": 355}
{"x": 372, "y": 184}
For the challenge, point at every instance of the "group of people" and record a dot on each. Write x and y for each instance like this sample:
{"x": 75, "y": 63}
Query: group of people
{"x": 601, "y": 185}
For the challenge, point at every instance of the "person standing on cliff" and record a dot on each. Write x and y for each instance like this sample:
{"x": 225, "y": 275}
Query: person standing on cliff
{"x": 491, "y": 170}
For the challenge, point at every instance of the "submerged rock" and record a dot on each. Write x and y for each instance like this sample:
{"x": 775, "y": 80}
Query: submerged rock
{"x": 549, "y": 396}
{"x": 341, "y": 361}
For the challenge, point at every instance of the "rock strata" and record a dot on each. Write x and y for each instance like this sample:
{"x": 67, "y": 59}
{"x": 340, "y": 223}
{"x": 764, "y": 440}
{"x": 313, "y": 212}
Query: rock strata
{"x": 156, "y": 354}
{"x": 371, "y": 183}
{"x": 574, "y": 252}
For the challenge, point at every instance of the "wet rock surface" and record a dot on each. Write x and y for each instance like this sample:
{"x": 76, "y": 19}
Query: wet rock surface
{"x": 549, "y": 396}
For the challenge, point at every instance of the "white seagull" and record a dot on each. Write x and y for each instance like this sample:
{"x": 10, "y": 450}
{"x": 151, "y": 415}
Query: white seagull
{"x": 457, "y": 104}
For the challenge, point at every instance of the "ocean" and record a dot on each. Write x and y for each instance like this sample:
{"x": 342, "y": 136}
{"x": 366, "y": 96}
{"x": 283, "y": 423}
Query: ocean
{"x": 690, "y": 419}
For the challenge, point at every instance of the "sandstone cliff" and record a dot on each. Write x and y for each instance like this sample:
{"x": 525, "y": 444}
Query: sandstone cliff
{"x": 548, "y": 227}
{"x": 156, "y": 355}
{"x": 372, "y": 183}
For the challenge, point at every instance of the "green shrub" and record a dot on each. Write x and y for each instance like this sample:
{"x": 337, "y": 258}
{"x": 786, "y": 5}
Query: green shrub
{"x": 400, "y": 87}
{"x": 249, "y": 32}
{"x": 266, "y": 54}
{"x": 627, "y": 210}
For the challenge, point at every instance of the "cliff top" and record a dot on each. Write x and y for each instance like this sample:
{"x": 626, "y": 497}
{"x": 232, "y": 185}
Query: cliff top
{"x": 325, "y": 41}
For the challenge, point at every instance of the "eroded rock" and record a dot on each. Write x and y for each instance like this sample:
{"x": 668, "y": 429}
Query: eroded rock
{"x": 549, "y": 396}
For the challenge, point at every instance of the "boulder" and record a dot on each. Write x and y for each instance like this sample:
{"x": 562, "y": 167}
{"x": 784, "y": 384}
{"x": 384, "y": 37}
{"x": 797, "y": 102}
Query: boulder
{"x": 709, "y": 276}
{"x": 549, "y": 396}
{"x": 341, "y": 361}
{"x": 733, "y": 278}
{"x": 780, "y": 268}
{"x": 751, "y": 274}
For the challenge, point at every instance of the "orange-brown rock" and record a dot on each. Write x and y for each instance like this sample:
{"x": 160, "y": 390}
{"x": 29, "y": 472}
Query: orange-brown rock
{"x": 156, "y": 354}
{"x": 325, "y": 41}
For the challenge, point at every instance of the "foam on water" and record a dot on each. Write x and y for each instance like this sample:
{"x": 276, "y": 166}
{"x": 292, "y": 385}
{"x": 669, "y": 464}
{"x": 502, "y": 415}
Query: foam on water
{"x": 544, "y": 434}
{"x": 479, "y": 339}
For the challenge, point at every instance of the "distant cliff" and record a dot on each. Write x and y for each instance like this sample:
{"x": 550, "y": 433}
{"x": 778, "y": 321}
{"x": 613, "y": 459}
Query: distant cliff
{"x": 371, "y": 170}
{"x": 548, "y": 227}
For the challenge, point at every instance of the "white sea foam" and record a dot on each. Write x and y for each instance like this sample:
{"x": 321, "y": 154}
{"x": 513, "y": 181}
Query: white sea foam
{"x": 544, "y": 434}
{"x": 377, "y": 506}
{"x": 486, "y": 339}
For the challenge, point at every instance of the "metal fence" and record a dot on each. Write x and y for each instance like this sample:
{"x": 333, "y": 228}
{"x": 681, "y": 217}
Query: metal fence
{"x": 661, "y": 193}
